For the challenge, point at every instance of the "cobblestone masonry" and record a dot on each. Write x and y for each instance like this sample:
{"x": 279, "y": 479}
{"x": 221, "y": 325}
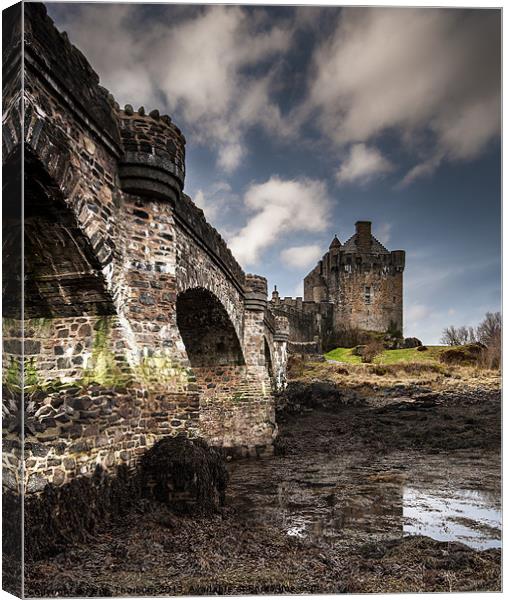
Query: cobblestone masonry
{"x": 139, "y": 322}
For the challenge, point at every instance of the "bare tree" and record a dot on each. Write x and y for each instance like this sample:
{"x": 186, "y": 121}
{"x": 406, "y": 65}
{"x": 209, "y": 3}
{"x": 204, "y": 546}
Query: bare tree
{"x": 489, "y": 330}
{"x": 487, "y": 333}
{"x": 458, "y": 336}
{"x": 450, "y": 336}
{"x": 472, "y": 335}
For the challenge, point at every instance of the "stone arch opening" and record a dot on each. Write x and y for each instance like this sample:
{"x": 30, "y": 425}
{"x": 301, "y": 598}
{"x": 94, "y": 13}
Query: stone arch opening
{"x": 268, "y": 359}
{"x": 63, "y": 276}
{"x": 207, "y": 332}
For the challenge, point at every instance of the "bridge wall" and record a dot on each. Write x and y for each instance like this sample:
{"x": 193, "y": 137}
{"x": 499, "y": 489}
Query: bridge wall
{"x": 114, "y": 248}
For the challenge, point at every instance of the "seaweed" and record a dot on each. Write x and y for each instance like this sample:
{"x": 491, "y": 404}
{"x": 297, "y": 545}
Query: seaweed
{"x": 178, "y": 467}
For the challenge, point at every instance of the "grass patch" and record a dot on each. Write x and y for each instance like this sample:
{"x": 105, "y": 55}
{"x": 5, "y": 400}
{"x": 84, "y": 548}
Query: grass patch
{"x": 405, "y": 355}
{"x": 389, "y": 357}
{"x": 343, "y": 355}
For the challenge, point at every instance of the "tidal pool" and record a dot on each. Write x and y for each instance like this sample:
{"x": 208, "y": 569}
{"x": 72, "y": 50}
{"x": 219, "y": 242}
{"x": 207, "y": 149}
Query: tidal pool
{"x": 468, "y": 516}
{"x": 354, "y": 499}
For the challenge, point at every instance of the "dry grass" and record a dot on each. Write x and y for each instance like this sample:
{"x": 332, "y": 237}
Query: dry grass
{"x": 431, "y": 374}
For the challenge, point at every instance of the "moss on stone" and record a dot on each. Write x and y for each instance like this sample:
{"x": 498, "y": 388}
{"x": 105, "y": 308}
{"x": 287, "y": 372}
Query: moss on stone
{"x": 102, "y": 366}
{"x": 12, "y": 375}
{"x": 31, "y": 378}
{"x": 159, "y": 368}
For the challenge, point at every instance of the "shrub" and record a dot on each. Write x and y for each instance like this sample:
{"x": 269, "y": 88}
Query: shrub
{"x": 490, "y": 358}
{"x": 421, "y": 349}
{"x": 341, "y": 371}
{"x": 295, "y": 366}
{"x": 469, "y": 354}
{"x": 371, "y": 350}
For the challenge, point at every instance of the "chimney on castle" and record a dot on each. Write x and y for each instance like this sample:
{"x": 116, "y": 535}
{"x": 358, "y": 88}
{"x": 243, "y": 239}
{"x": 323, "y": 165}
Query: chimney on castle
{"x": 363, "y": 235}
{"x": 275, "y": 295}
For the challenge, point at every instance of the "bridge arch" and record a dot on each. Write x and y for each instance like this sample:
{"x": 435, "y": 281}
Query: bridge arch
{"x": 206, "y": 329}
{"x": 63, "y": 275}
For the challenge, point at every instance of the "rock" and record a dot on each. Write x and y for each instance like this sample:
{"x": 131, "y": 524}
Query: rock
{"x": 36, "y": 483}
{"x": 412, "y": 342}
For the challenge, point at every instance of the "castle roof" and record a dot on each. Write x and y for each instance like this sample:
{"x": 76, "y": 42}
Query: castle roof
{"x": 335, "y": 243}
{"x": 376, "y": 248}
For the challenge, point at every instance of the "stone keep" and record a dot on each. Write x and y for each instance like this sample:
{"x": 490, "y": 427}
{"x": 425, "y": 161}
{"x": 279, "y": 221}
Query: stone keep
{"x": 362, "y": 279}
{"x": 138, "y": 321}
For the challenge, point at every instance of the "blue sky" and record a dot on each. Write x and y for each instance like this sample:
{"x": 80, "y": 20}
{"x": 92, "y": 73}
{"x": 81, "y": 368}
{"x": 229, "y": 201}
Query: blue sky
{"x": 301, "y": 121}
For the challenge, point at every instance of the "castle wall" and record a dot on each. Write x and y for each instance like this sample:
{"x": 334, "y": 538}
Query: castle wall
{"x": 369, "y": 300}
{"x": 310, "y": 324}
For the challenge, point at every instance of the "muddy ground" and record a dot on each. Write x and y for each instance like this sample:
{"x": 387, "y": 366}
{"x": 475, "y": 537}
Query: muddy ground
{"x": 247, "y": 549}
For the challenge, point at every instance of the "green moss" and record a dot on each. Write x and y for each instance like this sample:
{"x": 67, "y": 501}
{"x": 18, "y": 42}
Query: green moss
{"x": 40, "y": 324}
{"x": 12, "y": 375}
{"x": 8, "y": 323}
{"x": 31, "y": 378}
{"x": 102, "y": 366}
{"x": 159, "y": 368}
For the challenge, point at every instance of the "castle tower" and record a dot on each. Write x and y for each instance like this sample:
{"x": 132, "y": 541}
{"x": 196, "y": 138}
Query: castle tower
{"x": 364, "y": 281}
{"x": 153, "y": 162}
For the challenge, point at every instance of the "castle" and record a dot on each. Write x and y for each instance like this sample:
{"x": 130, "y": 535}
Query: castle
{"x": 355, "y": 286}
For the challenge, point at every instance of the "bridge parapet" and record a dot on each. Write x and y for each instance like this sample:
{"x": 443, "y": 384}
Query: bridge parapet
{"x": 193, "y": 220}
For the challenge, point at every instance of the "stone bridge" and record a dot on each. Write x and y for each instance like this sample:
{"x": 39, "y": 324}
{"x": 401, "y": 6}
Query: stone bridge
{"x": 138, "y": 320}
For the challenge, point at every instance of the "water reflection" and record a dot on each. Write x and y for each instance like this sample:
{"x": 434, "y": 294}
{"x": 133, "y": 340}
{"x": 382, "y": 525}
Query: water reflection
{"x": 466, "y": 516}
{"x": 342, "y": 503}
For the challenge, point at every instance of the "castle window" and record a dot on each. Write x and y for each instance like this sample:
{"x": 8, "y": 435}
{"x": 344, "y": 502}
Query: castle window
{"x": 366, "y": 294}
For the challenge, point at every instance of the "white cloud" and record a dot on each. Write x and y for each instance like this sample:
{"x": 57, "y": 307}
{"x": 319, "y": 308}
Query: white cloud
{"x": 363, "y": 164}
{"x": 230, "y": 156}
{"x": 279, "y": 207}
{"x": 417, "y": 312}
{"x": 217, "y": 200}
{"x": 432, "y": 76}
{"x": 383, "y": 233}
{"x": 301, "y": 256}
{"x": 200, "y": 64}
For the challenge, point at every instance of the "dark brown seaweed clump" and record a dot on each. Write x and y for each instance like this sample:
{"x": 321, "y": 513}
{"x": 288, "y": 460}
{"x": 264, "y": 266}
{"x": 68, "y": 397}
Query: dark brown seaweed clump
{"x": 189, "y": 474}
